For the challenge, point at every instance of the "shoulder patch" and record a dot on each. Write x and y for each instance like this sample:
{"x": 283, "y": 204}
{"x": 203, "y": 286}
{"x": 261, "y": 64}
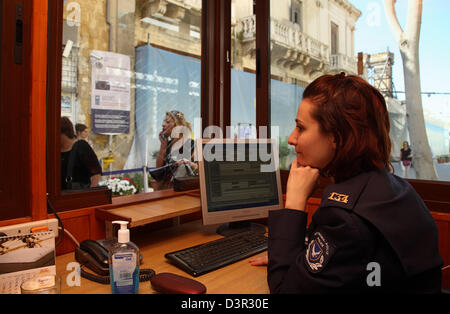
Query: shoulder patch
{"x": 341, "y": 198}
{"x": 318, "y": 253}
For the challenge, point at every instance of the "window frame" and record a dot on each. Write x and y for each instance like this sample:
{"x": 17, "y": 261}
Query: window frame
{"x": 14, "y": 125}
{"x": 61, "y": 200}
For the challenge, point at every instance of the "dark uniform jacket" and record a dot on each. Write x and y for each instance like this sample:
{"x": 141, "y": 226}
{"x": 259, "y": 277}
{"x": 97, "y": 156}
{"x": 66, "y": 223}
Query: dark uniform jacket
{"x": 371, "y": 233}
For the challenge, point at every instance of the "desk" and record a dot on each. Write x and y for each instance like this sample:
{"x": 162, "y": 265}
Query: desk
{"x": 237, "y": 278}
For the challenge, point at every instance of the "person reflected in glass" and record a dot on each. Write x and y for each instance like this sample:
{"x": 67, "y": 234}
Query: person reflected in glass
{"x": 372, "y": 233}
{"x": 176, "y": 149}
{"x": 83, "y": 133}
{"x": 77, "y": 159}
{"x": 405, "y": 159}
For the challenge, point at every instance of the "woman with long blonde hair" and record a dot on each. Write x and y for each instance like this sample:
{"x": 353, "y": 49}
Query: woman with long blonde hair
{"x": 177, "y": 148}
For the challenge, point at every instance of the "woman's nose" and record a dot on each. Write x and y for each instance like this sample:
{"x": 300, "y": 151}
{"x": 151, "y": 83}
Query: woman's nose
{"x": 292, "y": 140}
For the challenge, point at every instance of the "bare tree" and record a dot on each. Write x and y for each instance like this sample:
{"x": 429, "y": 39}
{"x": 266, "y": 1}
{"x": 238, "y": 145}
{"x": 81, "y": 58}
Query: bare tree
{"x": 408, "y": 42}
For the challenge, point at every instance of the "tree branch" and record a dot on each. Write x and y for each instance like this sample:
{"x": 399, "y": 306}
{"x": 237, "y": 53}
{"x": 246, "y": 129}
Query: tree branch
{"x": 389, "y": 7}
{"x": 414, "y": 19}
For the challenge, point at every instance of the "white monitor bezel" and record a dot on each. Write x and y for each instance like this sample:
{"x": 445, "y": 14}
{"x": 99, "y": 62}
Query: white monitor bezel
{"x": 220, "y": 217}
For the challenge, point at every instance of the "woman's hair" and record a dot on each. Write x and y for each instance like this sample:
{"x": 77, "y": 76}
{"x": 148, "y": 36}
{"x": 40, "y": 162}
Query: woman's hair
{"x": 355, "y": 113}
{"x": 80, "y": 127}
{"x": 179, "y": 119}
{"x": 67, "y": 128}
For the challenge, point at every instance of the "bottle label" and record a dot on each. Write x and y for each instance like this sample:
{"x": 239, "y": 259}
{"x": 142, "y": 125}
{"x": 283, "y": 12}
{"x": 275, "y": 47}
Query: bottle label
{"x": 123, "y": 265}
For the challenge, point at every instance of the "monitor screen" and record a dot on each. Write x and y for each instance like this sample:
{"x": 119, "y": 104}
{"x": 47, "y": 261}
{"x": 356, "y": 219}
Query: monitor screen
{"x": 239, "y": 179}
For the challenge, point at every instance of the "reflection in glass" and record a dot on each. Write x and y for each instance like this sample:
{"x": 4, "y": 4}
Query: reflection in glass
{"x": 125, "y": 64}
{"x": 243, "y": 69}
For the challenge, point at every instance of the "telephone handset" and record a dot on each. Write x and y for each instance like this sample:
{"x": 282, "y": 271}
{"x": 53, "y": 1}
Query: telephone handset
{"x": 94, "y": 255}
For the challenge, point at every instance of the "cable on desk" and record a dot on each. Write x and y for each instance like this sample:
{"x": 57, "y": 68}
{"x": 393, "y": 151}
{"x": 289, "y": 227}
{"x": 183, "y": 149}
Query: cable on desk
{"x": 144, "y": 275}
{"x": 59, "y": 220}
{"x": 70, "y": 236}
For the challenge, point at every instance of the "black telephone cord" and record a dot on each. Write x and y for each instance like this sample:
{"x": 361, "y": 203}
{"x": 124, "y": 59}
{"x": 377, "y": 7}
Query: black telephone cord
{"x": 144, "y": 275}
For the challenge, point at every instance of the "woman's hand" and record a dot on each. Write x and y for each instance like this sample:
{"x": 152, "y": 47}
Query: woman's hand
{"x": 301, "y": 184}
{"x": 163, "y": 138}
{"x": 185, "y": 161}
{"x": 259, "y": 260}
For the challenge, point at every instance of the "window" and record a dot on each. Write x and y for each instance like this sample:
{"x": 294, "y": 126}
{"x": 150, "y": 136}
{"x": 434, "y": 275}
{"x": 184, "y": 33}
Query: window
{"x": 330, "y": 44}
{"x": 334, "y": 39}
{"x": 213, "y": 51}
{"x": 296, "y": 13}
{"x": 122, "y": 69}
{"x": 243, "y": 69}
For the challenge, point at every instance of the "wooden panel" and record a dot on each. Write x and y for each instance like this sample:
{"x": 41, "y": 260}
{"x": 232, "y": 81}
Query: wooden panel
{"x": 79, "y": 227}
{"x": 443, "y": 224}
{"x": 144, "y": 213}
{"x": 311, "y": 207}
{"x": 38, "y": 99}
{"x": 14, "y": 115}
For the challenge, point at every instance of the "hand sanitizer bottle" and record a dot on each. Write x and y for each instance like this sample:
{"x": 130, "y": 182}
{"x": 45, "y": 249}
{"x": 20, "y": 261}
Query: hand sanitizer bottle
{"x": 124, "y": 263}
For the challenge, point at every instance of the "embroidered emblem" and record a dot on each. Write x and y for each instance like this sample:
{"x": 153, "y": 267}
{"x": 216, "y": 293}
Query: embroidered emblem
{"x": 318, "y": 252}
{"x": 342, "y": 198}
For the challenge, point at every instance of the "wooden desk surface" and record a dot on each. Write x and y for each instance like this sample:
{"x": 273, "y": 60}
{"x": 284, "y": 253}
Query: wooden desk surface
{"x": 238, "y": 278}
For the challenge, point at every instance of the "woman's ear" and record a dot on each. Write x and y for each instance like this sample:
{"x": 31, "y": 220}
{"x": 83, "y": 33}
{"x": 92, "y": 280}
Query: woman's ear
{"x": 332, "y": 140}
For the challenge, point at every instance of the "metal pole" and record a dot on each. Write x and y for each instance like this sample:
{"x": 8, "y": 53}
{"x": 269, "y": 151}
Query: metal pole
{"x": 144, "y": 169}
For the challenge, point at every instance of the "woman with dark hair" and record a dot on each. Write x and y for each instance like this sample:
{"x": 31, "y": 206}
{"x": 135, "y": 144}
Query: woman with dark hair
{"x": 371, "y": 232}
{"x": 79, "y": 163}
{"x": 83, "y": 133}
{"x": 405, "y": 158}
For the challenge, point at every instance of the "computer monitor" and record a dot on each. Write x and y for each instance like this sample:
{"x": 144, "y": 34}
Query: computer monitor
{"x": 239, "y": 182}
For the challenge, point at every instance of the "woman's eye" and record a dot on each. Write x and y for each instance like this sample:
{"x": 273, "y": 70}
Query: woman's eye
{"x": 300, "y": 128}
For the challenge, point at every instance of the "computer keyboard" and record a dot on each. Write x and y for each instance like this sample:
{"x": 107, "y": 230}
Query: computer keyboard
{"x": 203, "y": 258}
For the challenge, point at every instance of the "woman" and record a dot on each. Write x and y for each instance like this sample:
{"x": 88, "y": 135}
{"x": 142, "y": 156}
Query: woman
{"x": 83, "y": 133}
{"x": 405, "y": 158}
{"x": 371, "y": 232}
{"x": 176, "y": 149}
{"x": 79, "y": 163}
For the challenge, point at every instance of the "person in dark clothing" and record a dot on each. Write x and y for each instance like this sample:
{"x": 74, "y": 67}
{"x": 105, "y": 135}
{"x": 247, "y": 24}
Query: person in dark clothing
{"x": 86, "y": 170}
{"x": 405, "y": 158}
{"x": 372, "y": 232}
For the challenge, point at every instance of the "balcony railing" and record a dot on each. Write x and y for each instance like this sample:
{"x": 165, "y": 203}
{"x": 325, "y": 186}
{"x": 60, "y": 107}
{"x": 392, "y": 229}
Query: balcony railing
{"x": 286, "y": 34}
{"x": 341, "y": 62}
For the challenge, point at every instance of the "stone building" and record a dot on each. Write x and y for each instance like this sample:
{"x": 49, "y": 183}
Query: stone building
{"x": 307, "y": 38}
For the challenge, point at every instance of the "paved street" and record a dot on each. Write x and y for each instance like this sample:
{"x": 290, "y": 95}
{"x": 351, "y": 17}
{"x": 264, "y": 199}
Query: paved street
{"x": 442, "y": 169}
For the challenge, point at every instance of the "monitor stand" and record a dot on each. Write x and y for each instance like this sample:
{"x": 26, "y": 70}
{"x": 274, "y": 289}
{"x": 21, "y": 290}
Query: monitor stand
{"x": 235, "y": 227}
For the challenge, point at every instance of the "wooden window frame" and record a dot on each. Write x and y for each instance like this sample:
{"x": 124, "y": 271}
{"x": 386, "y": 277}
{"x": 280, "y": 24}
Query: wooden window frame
{"x": 60, "y": 200}
{"x": 14, "y": 105}
{"x": 22, "y": 124}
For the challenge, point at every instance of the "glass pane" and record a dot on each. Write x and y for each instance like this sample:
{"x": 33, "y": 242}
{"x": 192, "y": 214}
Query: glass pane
{"x": 243, "y": 69}
{"x": 294, "y": 55}
{"x": 309, "y": 39}
{"x": 125, "y": 65}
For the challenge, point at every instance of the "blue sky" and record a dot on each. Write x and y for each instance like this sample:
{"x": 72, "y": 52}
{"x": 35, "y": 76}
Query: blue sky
{"x": 373, "y": 35}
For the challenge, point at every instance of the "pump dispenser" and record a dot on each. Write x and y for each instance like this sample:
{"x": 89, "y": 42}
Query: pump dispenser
{"x": 123, "y": 235}
{"x": 124, "y": 263}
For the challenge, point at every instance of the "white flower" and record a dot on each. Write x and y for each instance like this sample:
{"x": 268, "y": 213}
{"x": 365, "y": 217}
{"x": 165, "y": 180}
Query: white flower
{"x": 119, "y": 186}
